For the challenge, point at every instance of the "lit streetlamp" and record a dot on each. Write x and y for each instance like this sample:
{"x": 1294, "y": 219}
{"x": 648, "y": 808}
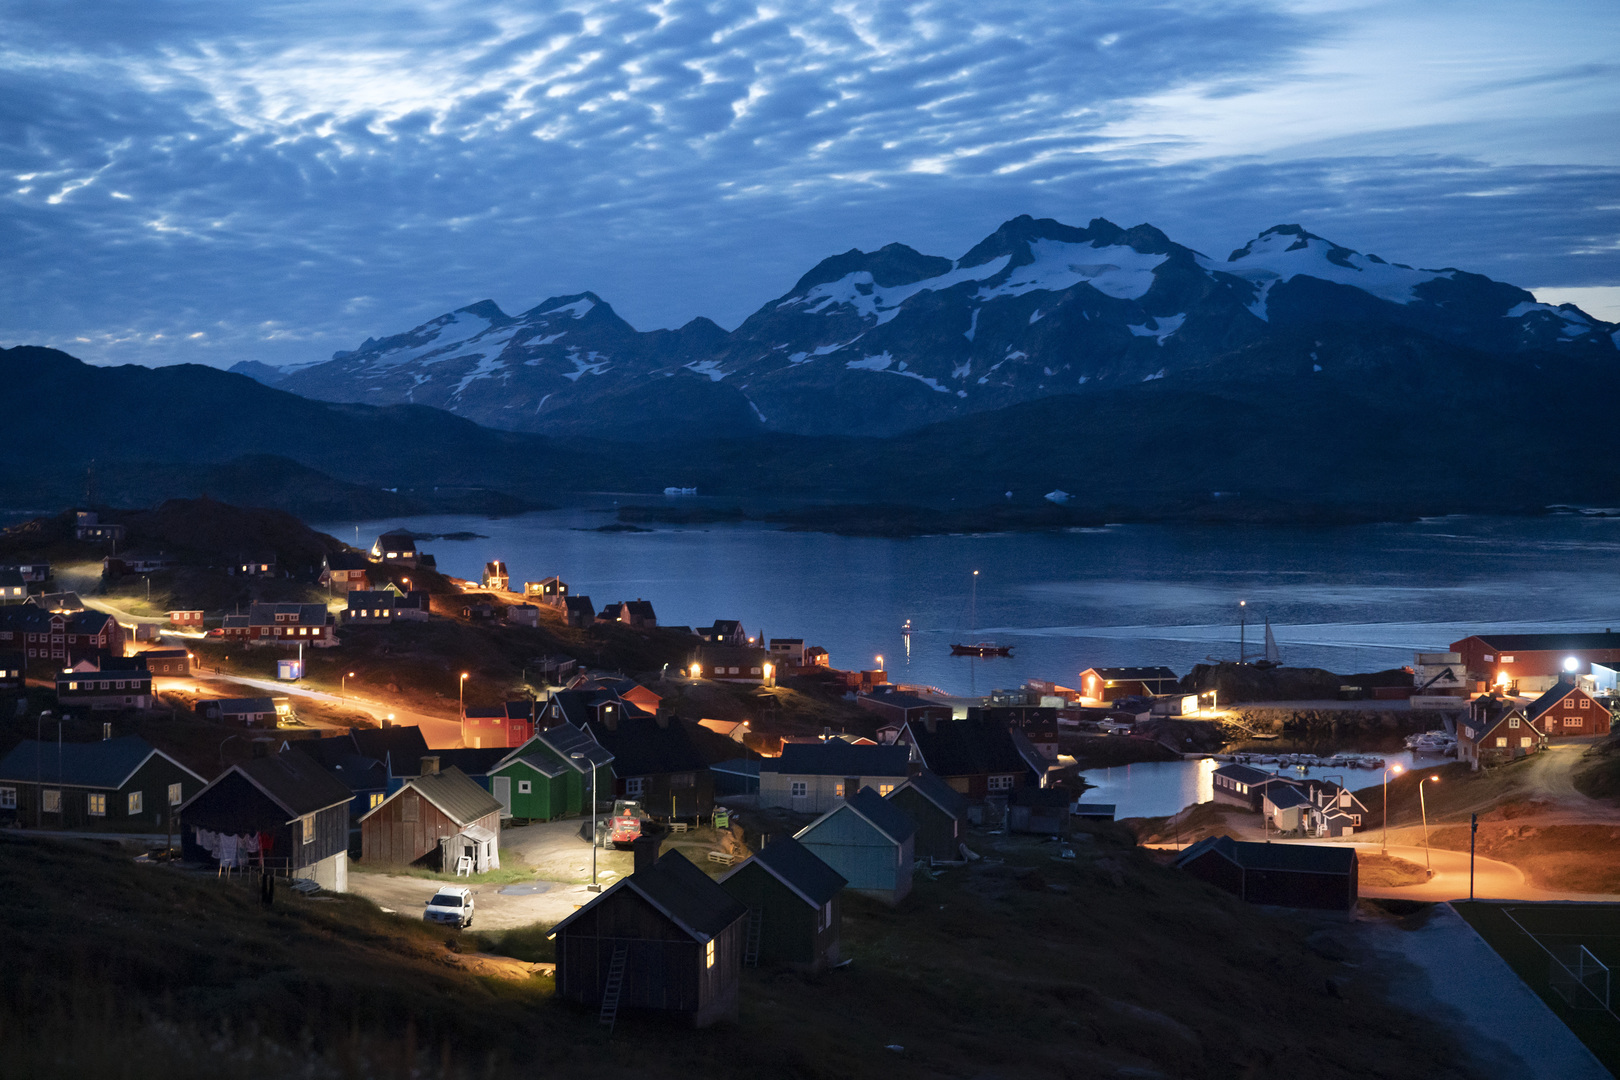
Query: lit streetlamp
{"x": 1424, "y": 808}
{"x": 463, "y": 695}
{"x": 880, "y": 661}
{"x": 343, "y": 682}
{"x": 580, "y": 756}
{"x": 1396, "y": 770}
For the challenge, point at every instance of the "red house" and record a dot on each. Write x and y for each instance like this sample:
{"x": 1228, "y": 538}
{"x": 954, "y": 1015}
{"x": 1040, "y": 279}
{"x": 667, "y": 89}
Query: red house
{"x": 1503, "y": 660}
{"x": 1566, "y": 709}
{"x": 1496, "y": 731}
{"x": 61, "y": 636}
{"x": 283, "y": 624}
{"x": 506, "y": 725}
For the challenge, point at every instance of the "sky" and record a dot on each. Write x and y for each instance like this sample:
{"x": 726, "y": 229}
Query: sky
{"x": 208, "y": 183}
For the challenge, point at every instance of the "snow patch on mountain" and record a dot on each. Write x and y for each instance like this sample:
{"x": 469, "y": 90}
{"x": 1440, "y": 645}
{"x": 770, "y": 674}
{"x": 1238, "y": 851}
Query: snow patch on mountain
{"x": 486, "y": 367}
{"x": 577, "y": 309}
{"x": 1574, "y": 325}
{"x": 587, "y": 364}
{"x": 1279, "y": 255}
{"x": 882, "y": 302}
{"x": 973, "y": 325}
{"x": 871, "y": 363}
{"x": 1118, "y": 271}
{"x": 1166, "y": 325}
{"x": 711, "y": 368}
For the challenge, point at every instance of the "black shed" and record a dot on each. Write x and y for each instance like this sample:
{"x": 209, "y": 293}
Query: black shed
{"x": 1288, "y": 875}
{"x": 793, "y": 905}
{"x": 675, "y": 936}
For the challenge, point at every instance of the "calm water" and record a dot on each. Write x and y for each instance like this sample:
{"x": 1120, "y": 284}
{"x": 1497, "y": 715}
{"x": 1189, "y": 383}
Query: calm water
{"x": 1348, "y": 599}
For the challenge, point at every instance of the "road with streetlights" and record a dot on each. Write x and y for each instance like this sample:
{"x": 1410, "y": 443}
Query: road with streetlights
{"x": 441, "y": 732}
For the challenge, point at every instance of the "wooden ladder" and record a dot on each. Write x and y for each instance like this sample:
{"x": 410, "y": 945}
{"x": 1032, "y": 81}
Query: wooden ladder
{"x": 615, "y": 984}
{"x": 756, "y": 922}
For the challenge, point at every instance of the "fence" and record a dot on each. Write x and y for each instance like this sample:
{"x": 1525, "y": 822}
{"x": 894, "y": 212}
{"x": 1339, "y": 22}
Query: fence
{"x": 1578, "y": 977}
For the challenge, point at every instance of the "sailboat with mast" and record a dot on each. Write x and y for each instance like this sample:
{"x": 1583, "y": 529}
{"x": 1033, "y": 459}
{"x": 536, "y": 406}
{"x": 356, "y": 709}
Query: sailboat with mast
{"x": 982, "y": 648}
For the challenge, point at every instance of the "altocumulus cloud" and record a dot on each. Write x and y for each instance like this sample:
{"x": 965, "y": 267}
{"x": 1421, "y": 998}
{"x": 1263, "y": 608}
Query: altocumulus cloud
{"x": 206, "y": 182}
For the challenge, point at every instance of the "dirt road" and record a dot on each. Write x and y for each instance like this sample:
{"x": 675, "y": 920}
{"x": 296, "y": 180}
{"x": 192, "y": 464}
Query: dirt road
{"x": 497, "y": 907}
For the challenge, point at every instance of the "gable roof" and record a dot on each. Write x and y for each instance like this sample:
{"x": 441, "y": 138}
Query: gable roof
{"x": 866, "y": 804}
{"x": 338, "y": 757}
{"x": 472, "y": 760}
{"x": 797, "y": 867}
{"x": 457, "y": 796}
{"x": 405, "y": 745}
{"x": 1300, "y": 858}
{"x": 1286, "y": 796}
{"x": 347, "y": 560}
{"x": 969, "y": 747}
{"x": 292, "y": 780}
{"x": 1555, "y": 693}
{"x": 936, "y": 791}
{"x": 682, "y": 893}
{"x": 1548, "y": 642}
{"x": 105, "y": 764}
{"x": 835, "y": 757}
{"x": 641, "y": 746}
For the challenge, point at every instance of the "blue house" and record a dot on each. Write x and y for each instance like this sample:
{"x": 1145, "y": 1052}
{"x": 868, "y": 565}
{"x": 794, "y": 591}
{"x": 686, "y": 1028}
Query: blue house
{"x": 868, "y": 840}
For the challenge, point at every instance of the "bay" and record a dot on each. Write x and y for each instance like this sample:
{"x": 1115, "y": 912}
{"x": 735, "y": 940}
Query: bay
{"x": 1345, "y": 598}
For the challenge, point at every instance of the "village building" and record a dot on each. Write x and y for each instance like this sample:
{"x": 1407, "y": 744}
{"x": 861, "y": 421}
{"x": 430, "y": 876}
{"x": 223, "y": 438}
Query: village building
{"x": 555, "y": 774}
{"x": 13, "y": 589}
{"x": 495, "y": 576}
{"x": 1334, "y": 810}
{"x": 365, "y": 777}
{"x": 396, "y": 548}
{"x": 666, "y": 938}
{"x": 869, "y": 842}
{"x": 186, "y": 618}
{"x": 939, "y": 813}
{"x": 1286, "y": 807}
{"x": 1039, "y": 723}
{"x": 812, "y": 778}
{"x": 793, "y": 902}
{"x": 636, "y": 614}
{"x": 1244, "y": 785}
{"x": 60, "y": 638}
{"x": 899, "y": 709}
{"x": 382, "y": 607}
{"x": 724, "y": 632}
{"x": 61, "y": 603}
{"x": 552, "y": 590}
{"x": 346, "y": 571}
{"x": 400, "y": 748}
{"x": 658, "y": 761}
{"x": 737, "y": 776}
{"x": 282, "y": 811}
{"x": 580, "y": 613}
{"x": 89, "y": 526}
{"x": 138, "y": 562}
{"x": 976, "y": 758}
{"x": 523, "y": 615}
{"x": 1531, "y": 663}
{"x": 1495, "y": 731}
{"x": 1439, "y": 681}
{"x": 1107, "y": 684}
{"x": 580, "y": 707}
{"x": 622, "y": 689}
{"x": 440, "y": 819}
{"x": 787, "y": 651}
{"x": 1322, "y": 876}
{"x": 122, "y": 784}
{"x": 257, "y": 564}
{"x": 288, "y": 625}
{"x": 507, "y": 725}
{"x": 105, "y": 683}
{"x": 248, "y": 711}
{"x": 1568, "y": 710}
{"x": 32, "y": 573}
{"x": 731, "y": 663}
{"x": 172, "y": 663}
{"x": 12, "y": 667}
{"x": 1038, "y": 811}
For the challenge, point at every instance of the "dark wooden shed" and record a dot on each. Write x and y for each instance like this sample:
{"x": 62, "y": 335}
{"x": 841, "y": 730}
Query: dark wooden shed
{"x": 938, "y": 810}
{"x": 793, "y": 901}
{"x": 425, "y": 820}
{"x": 1320, "y": 876}
{"x": 674, "y": 937}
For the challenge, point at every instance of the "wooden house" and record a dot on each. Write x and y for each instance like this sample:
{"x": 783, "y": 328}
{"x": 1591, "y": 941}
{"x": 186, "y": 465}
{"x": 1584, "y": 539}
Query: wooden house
{"x": 1320, "y": 876}
{"x": 436, "y": 820}
{"x": 543, "y": 779}
{"x": 191, "y": 618}
{"x": 1111, "y": 683}
{"x": 283, "y": 810}
{"x": 13, "y": 589}
{"x": 622, "y": 689}
{"x": 257, "y": 564}
{"x": 59, "y": 637}
{"x": 173, "y": 663}
{"x": 1566, "y": 710}
{"x": 724, "y": 632}
{"x": 1037, "y": 810}
{"x": 977, "y": 758}
{"x": 1527, "y": 662}
{"x": 1039, "y": 723}
{"x": 365, "y": 777}
{"x": 675, "y": 937}
{"x": 896, "y": 708}
{"x": 13, "y": 666}
{"x": 552, "y": 590}
{"x": 939, "y": 813}
{"x": 812, "y": 778}
{"x": 115, "y": 784}
{"x": 1496, "y": 730}
{"x": 869, "y": 841}
{"x": 397, "y": 548}
{"x": 495, "y": 576}
{"x": 282, "y": 624}
{"x": 249, "y": 712}
{"x": 506, "y": 725}
{"x": 659, "y": 761}
{"x": 105, "y": 683}
{"x": 523, "y": 615}
{"x": 1334, "y": 810}
{"x": 1243, "y": 785}
{"x": 580, "y": 613}
{"x": 37, "y": 572}
{"x": 793, "y": 905}
{"x": 382, "y": 607}
{"x": 637, "y": 614}
{"x": 346, "y": 571}
{"x": 733, "y": 663}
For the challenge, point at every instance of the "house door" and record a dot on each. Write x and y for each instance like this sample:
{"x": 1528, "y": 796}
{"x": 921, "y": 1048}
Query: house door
{"x": 503, "y": 794}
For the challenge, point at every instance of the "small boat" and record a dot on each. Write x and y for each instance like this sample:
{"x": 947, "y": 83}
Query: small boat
{"x": 906, "y": 629}
{"x": 983, "y": 648}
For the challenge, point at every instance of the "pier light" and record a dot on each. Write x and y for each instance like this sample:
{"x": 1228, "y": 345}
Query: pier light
{"x": 1570, "y": 663}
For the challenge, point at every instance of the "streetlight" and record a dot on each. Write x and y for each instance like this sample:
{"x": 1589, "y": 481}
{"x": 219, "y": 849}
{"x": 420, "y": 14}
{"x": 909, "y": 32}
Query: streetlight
{"x": 462, "y": 688}
{"x": 343, "y": 683}
{"x": 578, "y": 755}
{"x": 1425, "y": 810}
{"x": 880, "y": 661}
{"x": 1397, "y": 770}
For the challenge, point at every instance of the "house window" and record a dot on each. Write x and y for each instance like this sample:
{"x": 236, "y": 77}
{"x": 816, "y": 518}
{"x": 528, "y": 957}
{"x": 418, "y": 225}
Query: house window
{"x": 826, "y": 916}
{"x": 1513, "y": 722}
{"x": 8, "y": 798}
{"x": 96, "y": 805}
{"x": 634, "y": 786}
{"x": 175, "y": 795}
{"x": 308, "y": 824}
{"x": 1001, "y": 783}
{"x": 708, "y": 954}
{"x": 137, "y": 801}
{"x": 1501, "y": 740}
{"x": 52, "y": 801}
{"x": 1585, "y": 704}
{"x": 799, "y": 789}
{"x": 375, "y": 801}
{"x": 838, "y": 790}
{"x": 884, "y": 789}
{"x": 1355, "y": 819}
{"x": 1507, "y": 659}
{"x": 525, "y": 787}
{"x": 1524, "y": 740}
{"x": 409, "y": 807}
{"x": 1572, "y": 721}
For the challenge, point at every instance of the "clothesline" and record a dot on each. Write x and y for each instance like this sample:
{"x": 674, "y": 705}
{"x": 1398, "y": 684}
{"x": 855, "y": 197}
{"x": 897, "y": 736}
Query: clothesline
{"x": 234, "y": 849}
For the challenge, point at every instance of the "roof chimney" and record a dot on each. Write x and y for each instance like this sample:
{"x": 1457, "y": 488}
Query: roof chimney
{"x": 430, "y": 765}
{"x": 645, "y": 848}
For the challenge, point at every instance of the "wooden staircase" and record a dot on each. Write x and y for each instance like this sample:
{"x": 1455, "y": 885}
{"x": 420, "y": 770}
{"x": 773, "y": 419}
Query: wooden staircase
{"x": 756, "y": 922}
{"x": 614, "y": 986}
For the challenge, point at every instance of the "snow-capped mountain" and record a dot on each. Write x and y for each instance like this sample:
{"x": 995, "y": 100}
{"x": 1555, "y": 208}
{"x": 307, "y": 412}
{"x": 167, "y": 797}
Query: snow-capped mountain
{"x": 884, "y": 341}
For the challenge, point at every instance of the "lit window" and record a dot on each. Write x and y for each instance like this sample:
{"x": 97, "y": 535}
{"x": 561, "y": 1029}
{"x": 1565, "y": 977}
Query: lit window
{"x": 708, "y": 954}
{"x": 136, "y": 801}
{"x": 309, "y": 829}
{"x": 97, "y": 805}
{"x": 176, "y": 797}
{"x": 376, "y": 800}
{"x": 884, "y": 789}
{"x": 1501, "y": 741}
{"x": 838, "y": 790}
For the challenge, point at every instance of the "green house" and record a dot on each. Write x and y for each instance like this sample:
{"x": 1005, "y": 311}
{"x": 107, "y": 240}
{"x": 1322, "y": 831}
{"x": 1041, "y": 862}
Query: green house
{"x": 793, "y": 903}
{"x": 549, "y": 776}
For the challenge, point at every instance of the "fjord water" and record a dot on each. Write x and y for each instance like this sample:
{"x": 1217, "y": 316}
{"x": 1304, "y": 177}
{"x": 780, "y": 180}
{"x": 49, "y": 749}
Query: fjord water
{"x": 1345, "y": 598}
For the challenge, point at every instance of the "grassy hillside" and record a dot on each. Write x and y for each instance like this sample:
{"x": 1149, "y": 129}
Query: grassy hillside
{"x": 1106, "y": 965}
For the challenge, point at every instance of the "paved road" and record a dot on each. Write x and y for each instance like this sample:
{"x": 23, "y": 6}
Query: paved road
{"x": 1460, "y": 980}
{"x": 441, "y": 732}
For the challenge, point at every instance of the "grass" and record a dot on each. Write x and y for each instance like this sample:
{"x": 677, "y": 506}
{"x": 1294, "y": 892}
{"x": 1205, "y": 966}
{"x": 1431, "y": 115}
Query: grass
{"x": 1389, "y": 871}
{"x": 1598, "y": 775}
{"x": 1022, "y": 965}
{"x": 1597, "y": 926}
{"x": 507, "y": 875}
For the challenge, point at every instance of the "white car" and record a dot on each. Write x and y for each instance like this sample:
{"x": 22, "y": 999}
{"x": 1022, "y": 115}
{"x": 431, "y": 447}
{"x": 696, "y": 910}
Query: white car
{"x": 452, "y": 906}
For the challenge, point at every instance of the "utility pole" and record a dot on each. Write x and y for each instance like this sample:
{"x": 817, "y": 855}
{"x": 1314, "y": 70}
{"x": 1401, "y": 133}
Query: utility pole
{"x": 1473, "y": 830}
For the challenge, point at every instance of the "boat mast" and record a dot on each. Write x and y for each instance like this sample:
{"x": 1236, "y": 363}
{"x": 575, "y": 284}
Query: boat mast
{"x": 973, "y": 607}
{"x": 1243, "y": 647}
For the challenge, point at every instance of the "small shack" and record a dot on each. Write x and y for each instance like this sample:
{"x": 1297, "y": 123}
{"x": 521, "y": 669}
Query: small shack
{"x": 868, "y": 841}
{"x": 939, "y": 813}
{"x": 438, "y": 820}
{"x": 1044, "y": 811}
{"x": 793, "y": 905}
{"x": 667, "y": 938}
{"x": 1320, "y": 876}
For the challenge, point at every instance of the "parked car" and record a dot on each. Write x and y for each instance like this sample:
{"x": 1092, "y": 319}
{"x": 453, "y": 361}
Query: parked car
{"x": 452, "y": 906}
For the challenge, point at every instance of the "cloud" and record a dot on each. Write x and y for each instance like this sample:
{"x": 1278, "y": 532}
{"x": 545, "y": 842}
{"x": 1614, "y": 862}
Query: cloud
{"x": 210, "y": 183}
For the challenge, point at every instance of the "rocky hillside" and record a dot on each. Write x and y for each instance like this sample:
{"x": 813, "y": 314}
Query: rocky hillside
{"x": 876, "y": 343}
